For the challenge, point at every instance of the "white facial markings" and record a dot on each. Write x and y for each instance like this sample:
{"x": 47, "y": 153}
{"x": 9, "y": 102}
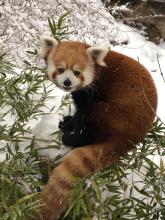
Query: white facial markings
{"x": 51, "y": 69}
{"x": 50, "y": 66}
{"x": 68, "y": 74}
{"x": 88, "y": 75}
{"x": 75, "y": 77}
{"x": 61, "y": 77}
{"x": 62, "y": 65}
{"x": 76, "y": 68}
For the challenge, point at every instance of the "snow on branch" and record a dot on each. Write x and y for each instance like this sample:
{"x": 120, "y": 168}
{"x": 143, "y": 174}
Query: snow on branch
{"x": 22, "y": 22}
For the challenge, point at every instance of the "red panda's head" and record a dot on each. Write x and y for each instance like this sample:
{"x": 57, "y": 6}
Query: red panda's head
{"x": 71, "y": 65}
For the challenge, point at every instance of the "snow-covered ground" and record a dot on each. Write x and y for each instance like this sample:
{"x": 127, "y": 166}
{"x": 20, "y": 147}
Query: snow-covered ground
{"x": 90, "y": 22}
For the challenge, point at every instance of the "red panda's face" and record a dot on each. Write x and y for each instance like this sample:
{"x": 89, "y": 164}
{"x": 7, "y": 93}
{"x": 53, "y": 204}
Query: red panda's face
{"x": 71, "y": 65}
{"x": 70, "y": 79}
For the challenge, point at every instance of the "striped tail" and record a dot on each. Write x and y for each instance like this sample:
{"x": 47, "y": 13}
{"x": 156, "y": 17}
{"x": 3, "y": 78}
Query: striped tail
{"x": 80, "y": 162}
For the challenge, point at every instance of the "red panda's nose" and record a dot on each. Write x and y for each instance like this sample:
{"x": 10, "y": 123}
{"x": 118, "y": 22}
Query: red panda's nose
{"x": 67, "y": 82}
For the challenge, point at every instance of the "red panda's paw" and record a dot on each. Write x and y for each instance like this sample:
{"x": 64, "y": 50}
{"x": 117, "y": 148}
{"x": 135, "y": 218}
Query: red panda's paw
{"x": 66, "y": 124}
{"x": 76, "y": 138}
{"x": 69, "y": 139}
{"x": 73, "y": 139}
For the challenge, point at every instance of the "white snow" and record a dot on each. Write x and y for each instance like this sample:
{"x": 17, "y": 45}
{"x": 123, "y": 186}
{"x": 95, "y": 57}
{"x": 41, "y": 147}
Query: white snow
{"x": 90, "y": 22}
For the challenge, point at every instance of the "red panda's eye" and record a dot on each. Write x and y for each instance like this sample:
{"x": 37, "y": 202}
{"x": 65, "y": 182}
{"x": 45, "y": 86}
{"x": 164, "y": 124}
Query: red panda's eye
{"x": 76, "y": 72}
{"x": 61, "y": 69}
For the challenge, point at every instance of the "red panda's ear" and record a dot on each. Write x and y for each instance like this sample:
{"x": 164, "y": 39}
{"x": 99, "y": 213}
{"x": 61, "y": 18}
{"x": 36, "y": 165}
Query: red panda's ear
{"x": 98, "y": 54}
{"x": 46, "y": 46}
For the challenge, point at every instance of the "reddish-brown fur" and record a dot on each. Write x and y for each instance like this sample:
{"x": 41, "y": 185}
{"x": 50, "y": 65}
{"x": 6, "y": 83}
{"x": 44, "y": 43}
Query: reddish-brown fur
{"x": 120, "y": 119}
{"x": 65, "y": 51}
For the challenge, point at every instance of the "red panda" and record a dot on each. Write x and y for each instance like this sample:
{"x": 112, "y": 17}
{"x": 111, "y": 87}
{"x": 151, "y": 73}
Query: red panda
{"x": 116, "y": 101}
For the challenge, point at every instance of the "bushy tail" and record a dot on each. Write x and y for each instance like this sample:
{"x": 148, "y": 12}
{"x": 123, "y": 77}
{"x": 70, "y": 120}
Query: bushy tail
{"x": 80, "y": 162}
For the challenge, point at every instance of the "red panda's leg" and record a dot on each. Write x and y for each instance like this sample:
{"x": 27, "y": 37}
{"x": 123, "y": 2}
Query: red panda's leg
{"x": 80, "y": 162}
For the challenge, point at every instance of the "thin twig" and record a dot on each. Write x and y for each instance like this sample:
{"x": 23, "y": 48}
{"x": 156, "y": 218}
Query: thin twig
{"x": 160, "y": 68}
{"x": 36, "y": 139}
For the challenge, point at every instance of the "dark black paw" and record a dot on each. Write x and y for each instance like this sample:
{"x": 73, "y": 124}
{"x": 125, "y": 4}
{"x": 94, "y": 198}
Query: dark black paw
{"x": 66, "y": 124}
{"x": 74, "y": 140}
{"x": 69, "y": 139}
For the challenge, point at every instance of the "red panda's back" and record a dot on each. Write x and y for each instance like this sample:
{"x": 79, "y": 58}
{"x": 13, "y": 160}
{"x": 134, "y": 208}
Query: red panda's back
{"x": 130, "y": 91}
